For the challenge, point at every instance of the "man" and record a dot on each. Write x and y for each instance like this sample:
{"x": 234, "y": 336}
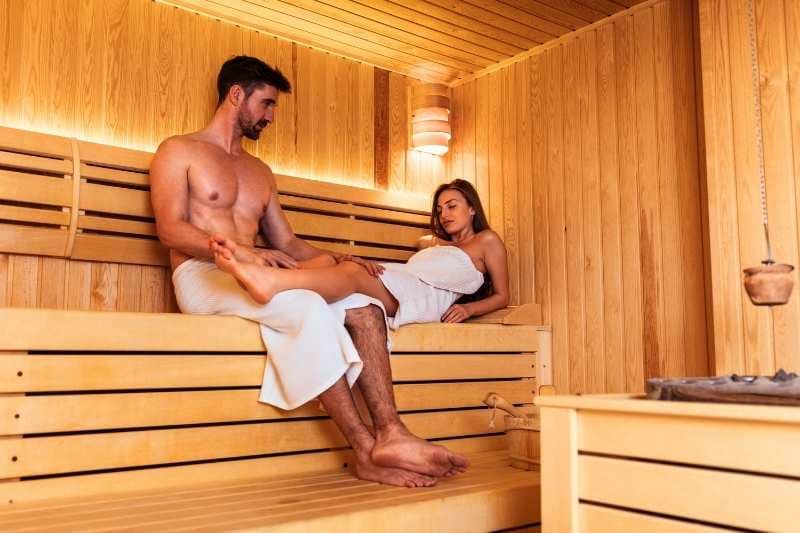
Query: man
{"x": 205, "y": 184}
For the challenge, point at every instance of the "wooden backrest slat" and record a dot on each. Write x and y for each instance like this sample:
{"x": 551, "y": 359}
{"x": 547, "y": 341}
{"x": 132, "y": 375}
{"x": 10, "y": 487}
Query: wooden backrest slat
{"x": 117, "y": 225}
{"x": 289, "y": 202}
{"x": 14, "y": 161}
{"x": 410, "y": 203}
{"x": 115, "y": 200}
{"x": 35, "y": 189}
{"x": 33, "y": 240}
{"x": 112, "y": 175}
{"x": 314, "y": 225}
{"x": 118, "y": 249}
{"x": 34, "y": 143}
{"x": 114, "y": 156}
{"x": 37, "y": 216}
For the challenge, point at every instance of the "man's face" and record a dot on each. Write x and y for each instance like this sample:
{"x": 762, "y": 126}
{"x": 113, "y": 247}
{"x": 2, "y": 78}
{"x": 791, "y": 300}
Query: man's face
{"x": 257, "y": 111}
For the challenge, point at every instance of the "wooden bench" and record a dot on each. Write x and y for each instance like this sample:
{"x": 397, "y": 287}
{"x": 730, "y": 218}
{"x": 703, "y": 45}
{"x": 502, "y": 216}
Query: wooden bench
{"x": 151, "y": 420}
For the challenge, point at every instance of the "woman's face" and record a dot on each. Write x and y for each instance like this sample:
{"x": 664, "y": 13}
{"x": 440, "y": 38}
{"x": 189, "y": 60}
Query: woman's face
{"x": 454, "y": 213}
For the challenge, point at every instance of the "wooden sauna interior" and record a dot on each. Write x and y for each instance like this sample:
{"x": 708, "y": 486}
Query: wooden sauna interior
{"x": 612, "y": 141}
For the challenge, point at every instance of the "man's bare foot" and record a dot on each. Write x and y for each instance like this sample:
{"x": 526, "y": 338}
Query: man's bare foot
{"x": 256, "y": 279}
{"x": 369, "y": 471}
{"x": 398, "y": 448}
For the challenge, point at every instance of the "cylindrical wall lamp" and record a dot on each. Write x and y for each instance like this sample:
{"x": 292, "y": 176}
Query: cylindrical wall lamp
{"x": 430, "y": 118}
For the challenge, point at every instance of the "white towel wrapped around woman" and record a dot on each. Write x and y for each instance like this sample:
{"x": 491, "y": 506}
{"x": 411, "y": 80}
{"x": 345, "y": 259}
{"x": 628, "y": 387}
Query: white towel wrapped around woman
{"x": 429, "y": 283}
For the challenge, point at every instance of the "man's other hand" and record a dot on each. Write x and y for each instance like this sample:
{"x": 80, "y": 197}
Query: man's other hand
{"x": 275, "y": 258}
{"x": 374, "y": 269}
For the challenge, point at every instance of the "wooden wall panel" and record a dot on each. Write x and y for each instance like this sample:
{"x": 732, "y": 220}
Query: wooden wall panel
{"x": 600, "y": 200}
{"x": 749, "y": 339}
{"x": 133, "y": 72}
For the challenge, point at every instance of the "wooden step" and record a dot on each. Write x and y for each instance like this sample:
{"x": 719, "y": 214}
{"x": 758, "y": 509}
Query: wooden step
{"x": 490, "y": 496}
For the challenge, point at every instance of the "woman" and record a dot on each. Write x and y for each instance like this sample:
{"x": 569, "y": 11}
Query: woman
{"x": 460, "y": 272}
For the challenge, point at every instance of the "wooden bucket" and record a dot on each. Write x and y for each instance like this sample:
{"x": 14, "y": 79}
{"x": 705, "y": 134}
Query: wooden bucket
{"x": 523, "y": 441}
{"x": 522, "y": 432}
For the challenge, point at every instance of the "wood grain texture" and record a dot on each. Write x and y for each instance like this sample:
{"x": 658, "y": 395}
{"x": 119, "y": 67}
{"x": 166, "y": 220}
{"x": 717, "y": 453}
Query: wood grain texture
{"x": 748, "y": 339}
{"x": 604, "y": 218}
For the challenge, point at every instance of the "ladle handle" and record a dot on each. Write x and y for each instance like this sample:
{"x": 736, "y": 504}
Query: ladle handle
{"x": 495, "y": 400}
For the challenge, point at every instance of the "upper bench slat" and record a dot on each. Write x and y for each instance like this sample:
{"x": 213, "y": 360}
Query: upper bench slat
{"x": 95, "y": 330}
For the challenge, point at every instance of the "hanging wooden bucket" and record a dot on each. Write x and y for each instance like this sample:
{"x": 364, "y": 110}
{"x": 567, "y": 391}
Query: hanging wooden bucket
{"x": 523, "y": 441}
{"x": 769, "y": 284}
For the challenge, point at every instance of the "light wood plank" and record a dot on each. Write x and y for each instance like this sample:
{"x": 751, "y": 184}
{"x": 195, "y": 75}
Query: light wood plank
{"x": 40, "y": 216}
{"x": 560, "y": 473}
{"x": 116, "y": 200}
{"x": 51, "y": 414}
{"x": 355, "y": 230}
{"x": 112, "y": 175}
{"x": 34, "y": 143}
{"x": 50, "y": 455}
{"x": 32, "y": 188}
{"x": 117, "y": 225}
{"x": 30, "y": 240}
{"x": 31, "y": 162}
{"x": 77, "y": 372}
{"x": 629, "y": 205}
{"x": 109, "y": 486}
{"x": 598, "y": 518}
{"x": 118, "y": 249}
{"x": 323, "y": 206}
{"x": 748, "y": 501}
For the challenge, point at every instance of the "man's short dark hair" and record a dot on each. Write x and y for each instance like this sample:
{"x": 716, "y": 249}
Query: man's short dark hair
{"x": 249, "y": 73}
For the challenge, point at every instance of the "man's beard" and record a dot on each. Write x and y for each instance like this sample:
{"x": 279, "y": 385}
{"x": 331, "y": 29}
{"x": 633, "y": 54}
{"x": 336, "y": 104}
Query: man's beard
{"x": 250, "y": 130}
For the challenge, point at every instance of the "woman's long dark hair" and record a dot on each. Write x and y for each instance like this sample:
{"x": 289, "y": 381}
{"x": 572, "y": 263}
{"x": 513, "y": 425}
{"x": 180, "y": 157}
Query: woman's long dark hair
{"x": 479, "y": 223}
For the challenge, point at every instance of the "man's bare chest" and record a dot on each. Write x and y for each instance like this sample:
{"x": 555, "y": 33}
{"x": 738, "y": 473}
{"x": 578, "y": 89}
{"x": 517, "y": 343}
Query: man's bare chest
{"x": 223, "y": 184}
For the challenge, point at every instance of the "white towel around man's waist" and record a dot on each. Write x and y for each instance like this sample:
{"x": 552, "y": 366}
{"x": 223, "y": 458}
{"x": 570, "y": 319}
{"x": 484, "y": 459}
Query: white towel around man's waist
{"x": 309, "y": 348}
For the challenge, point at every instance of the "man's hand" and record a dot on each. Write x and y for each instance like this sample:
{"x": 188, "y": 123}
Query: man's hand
{"x": 275, "y": 258}
{"x": 457, "y": 313}
{"x": 374, "y": 269}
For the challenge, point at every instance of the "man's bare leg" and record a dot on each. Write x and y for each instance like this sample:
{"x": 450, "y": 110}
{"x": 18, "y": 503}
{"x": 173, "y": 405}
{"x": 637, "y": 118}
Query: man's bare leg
{"x": 395, "y": 445}
{"x": 338, "y": 402}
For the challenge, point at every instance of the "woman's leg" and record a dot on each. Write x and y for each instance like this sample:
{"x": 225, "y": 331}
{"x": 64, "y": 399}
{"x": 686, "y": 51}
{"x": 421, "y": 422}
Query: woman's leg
{"x": 333, "y": 283}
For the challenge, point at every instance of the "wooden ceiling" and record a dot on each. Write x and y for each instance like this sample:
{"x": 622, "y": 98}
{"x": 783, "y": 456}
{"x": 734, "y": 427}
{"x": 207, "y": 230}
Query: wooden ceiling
{"x": 433, "y": 40}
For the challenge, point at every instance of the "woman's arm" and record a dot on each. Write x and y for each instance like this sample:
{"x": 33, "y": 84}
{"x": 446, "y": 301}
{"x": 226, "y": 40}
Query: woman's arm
{"x": 494, "y": 256}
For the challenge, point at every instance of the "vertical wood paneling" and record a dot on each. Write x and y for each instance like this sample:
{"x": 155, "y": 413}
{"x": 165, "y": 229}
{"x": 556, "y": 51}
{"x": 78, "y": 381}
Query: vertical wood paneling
{"x": 574, "y": 211}
{"x": 510, "y": 186}
{"x": 52, "y": 284}
{"x": 629, "y": 206}
{"x": 606, "y": 186}
{"x": 524, "y": 165}
{"x": 748, "y": 339}
{"x": 592, "y": 221}
{"x": 613, "y": 325}
{"x": 24, "y": 281}
{"x": 539, "y": 187}
{"x": 557, "y": 226}
{"x": 672, "y": 259}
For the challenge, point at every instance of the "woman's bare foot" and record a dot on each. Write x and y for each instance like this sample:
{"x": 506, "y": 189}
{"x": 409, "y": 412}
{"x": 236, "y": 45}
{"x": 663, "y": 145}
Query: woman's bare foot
{"x": 256, "y": 279}
{"x": 369, "y": 471}
{"x": 398, "y": 448}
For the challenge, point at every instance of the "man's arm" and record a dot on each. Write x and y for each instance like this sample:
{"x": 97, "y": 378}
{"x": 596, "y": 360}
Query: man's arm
{"x": 169, "y": 194}
{"x": 276, "y": 230}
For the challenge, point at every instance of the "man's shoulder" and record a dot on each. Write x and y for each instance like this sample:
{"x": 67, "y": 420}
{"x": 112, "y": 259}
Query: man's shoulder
{"x": 176, "y": 144}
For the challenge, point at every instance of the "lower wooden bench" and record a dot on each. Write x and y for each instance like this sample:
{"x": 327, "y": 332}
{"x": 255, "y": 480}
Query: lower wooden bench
{"x": 107, "y": 422}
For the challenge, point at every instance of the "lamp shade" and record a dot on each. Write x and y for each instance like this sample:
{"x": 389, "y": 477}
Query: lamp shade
{"x": 430, "y": 118}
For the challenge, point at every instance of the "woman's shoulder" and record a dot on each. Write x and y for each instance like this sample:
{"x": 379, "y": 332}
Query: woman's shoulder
{"x": 488, "y": 237}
